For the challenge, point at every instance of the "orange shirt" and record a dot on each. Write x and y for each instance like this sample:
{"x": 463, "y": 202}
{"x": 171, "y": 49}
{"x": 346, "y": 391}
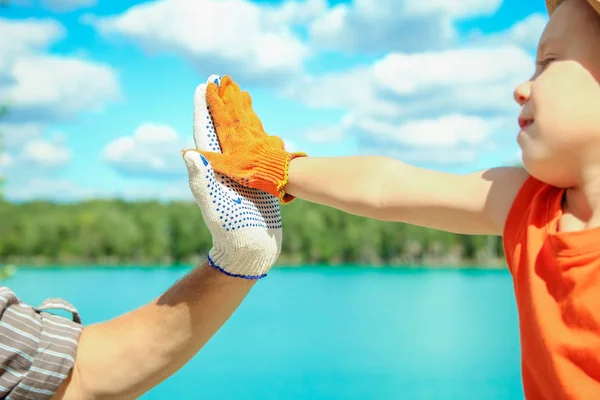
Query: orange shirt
{"x": 556, "y": 279}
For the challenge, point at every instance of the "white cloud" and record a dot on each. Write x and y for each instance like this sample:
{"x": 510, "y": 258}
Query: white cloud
{"x": 404, "y": 25}
{"x": 409, "y": 74}
{"x": 474, "y": 80}
{"x": 5, "y": 163}
{"x": 448, "y": 130}
{"x": 295, "y": 12}
{"x": 454, "y": 9}
{"x": 57, "y": 6}
{"x": 37, "y": 156}
{"x": 329, "y": 134}
{"x": 459, "y": 101}
{"x": 22, "y": 37}
{"x": 14, "y": 135}
{"x": 325, "y": 134}
{"x": 525, "y": 33}
{"x": 438, "y": 157}
{"x": 291, "y": 145}
{"x": 455, "y": 139}
{"x": 423, "y": 100}
{"x": 252, "y": 43}
{"x": 153, "y": 150}
{"x": 46, "y": 188}
{"x": 42, "y": 87}
{"x": 178, "y": 190}
{"x": 31, "y": 169}
{"x": 528, "y": 32}
{"x": 66, "y": 190}
{"x": 67, "y": 87}
{"x": 352, "y": 89}
{"x": 44, "y": 154}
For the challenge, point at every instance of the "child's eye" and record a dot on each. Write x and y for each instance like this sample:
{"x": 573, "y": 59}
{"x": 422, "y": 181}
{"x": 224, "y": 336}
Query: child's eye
{"x": 544, "y": 63}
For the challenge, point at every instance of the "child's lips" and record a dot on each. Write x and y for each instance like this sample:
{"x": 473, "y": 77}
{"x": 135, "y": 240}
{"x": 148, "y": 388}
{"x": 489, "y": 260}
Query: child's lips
{"x": 525, "y": 122}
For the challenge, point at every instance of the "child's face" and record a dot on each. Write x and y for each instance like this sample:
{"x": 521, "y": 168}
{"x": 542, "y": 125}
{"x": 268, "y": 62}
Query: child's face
{"x": 560, "y": 113}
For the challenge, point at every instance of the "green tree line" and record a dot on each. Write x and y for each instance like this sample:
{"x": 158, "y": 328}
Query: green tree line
{"x": 3, "y": 111}
{"x": 115, "y": 232}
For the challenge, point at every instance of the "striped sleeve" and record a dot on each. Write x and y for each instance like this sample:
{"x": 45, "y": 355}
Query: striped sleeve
{"x": 37, "y": 349}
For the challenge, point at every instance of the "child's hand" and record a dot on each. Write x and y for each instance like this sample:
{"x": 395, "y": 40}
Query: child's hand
{"x": 245, "y": 223}
{"x": 249, "y": 156}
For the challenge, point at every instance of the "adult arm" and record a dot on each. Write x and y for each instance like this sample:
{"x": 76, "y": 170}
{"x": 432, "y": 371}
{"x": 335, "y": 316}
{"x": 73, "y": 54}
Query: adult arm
{"x": 127, "y": 356}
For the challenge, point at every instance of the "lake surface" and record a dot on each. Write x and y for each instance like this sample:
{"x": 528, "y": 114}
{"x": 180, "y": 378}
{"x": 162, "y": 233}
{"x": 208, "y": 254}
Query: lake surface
{"x": 327, "y": 333}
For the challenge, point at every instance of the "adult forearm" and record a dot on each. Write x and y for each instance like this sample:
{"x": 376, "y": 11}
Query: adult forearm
{"x": 351, "y": 184}
{"x": 125, "y": 357}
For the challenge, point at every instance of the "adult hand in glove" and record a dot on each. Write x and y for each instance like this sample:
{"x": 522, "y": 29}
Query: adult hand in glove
{"x": 245, "y": 223}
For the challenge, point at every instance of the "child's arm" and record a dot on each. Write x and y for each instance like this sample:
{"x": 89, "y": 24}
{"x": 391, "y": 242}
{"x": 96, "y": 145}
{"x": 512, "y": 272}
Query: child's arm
{"x": 374, "y": 187}
{"x": 389, "y": 190}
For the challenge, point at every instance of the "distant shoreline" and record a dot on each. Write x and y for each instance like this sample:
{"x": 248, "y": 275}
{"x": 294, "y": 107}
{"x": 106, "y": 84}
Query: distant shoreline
{"x": 118, "y": 233}
{"x": 489, "y": 265}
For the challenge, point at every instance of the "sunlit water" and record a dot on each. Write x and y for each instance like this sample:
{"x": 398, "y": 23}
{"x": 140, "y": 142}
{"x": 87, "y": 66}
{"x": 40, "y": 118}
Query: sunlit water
{"x": 327, "y": 333}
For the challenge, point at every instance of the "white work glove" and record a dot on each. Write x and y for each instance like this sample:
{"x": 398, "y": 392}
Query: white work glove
{"x": 245, "y": 223}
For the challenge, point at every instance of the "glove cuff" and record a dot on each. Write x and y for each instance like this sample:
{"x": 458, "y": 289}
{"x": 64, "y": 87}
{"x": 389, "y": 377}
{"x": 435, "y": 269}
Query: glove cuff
{"x": 243, "y": 261}
{"x": 235, "y": 272}
{"x": 272, "y": 166}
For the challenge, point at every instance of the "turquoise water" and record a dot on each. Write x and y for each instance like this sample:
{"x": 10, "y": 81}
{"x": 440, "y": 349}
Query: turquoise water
{"x": 327, "y": 333}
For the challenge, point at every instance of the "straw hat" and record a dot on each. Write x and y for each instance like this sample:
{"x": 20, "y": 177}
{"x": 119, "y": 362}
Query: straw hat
{"x": 551, "y": 5}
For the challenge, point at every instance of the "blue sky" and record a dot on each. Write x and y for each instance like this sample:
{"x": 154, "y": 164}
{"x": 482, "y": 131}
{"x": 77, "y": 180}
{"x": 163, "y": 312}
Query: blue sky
{"x": 100, "y": 92}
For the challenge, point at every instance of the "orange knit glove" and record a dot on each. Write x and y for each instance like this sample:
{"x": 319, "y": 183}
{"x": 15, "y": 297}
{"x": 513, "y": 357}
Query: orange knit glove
{"x": 248, "y": 155}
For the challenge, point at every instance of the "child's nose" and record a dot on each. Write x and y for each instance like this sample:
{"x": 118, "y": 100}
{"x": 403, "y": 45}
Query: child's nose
{"x": 522, "y": 92}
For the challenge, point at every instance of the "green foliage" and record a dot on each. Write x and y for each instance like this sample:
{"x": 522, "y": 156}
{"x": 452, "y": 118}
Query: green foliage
{"x": 151, "y": 233}
{"x": 3, "y": 112}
